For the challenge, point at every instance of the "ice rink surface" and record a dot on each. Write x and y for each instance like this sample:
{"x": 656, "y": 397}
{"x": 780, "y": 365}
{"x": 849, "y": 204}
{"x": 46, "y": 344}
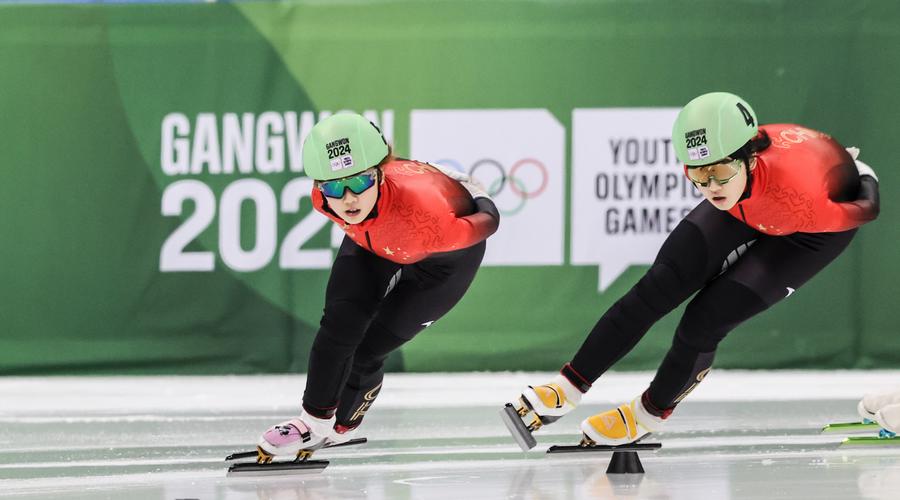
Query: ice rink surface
{"x": 741, "y": 435}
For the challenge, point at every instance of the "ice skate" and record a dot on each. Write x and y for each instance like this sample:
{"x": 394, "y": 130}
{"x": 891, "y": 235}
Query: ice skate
{"x": 617, "y": 431}
{"x": 867, "y": 408}
{"x": 626, "y": 424}
{"x": 283, "y": 450}
{"x": 885, "y": 422}
{"x": 299, "y": 437}
{"x": 538, "y": 406}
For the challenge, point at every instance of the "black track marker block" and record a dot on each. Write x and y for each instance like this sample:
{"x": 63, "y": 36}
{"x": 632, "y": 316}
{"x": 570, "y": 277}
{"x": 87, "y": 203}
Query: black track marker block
{"x": 625, "y": 462}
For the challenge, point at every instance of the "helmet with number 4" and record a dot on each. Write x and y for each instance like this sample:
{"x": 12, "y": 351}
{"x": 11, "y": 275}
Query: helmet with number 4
{"x": 342, "y": 145}
{"x": 711, "y": 127}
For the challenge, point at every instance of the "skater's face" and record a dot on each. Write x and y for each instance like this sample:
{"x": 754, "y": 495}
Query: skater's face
{"x": 354, "y": 207}
{"x": 725, "y": 187}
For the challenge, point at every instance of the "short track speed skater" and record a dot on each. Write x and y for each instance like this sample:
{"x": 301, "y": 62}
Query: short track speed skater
{"x": 266, "y": 464}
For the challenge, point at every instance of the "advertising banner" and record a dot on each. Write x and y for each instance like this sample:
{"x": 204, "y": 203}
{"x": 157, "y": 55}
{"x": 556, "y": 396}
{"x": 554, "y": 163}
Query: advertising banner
{"x": 155, "y": 216}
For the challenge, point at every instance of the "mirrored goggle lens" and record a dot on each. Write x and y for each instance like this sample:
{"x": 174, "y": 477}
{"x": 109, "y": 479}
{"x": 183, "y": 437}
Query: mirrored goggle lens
{"x": 357, "y": 184}
{"x": 721, "y": 172}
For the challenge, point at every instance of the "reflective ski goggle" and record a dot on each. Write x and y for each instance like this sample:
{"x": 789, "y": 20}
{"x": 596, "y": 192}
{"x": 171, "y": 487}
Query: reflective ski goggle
{"x": 356, "y": 184}
{"x": 721, "y": 172}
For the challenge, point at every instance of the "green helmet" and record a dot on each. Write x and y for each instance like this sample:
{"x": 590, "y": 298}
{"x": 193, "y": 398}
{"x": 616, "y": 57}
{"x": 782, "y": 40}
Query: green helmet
{"x": 342, "y": 145}
{"x": 712, "y": 127}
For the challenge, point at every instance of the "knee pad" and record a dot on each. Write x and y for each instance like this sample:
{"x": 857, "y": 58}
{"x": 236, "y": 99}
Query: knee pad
{"x": 714, "y": 312}
{"x": 680, "y": 268}
{"x": 685, "y": 252}
{"x": 344, "y": 324}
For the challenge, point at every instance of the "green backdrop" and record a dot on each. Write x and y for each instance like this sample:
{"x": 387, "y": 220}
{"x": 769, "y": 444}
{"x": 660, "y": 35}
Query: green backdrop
{"x": 84, "y": 91}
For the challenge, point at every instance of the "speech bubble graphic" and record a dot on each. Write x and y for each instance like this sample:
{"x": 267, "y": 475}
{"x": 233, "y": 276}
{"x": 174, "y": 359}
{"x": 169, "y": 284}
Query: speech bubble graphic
{"x": 628, "y": 189}
{"x": 519, "y": 157}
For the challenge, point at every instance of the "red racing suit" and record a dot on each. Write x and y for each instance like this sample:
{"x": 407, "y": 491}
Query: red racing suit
{"x": 419, "y": 212}
{"x": 804, "y": 182}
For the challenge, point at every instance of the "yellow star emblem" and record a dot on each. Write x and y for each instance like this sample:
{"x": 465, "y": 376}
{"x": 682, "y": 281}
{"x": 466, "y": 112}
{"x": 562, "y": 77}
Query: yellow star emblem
{"x": 388, "y": 251}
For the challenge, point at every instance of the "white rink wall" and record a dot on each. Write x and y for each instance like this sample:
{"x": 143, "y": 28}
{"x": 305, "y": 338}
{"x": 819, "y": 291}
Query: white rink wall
{"x": 282, "y": 393}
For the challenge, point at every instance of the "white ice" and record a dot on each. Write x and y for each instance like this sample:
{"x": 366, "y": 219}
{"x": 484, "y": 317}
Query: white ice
{"x": 740, "y": 435}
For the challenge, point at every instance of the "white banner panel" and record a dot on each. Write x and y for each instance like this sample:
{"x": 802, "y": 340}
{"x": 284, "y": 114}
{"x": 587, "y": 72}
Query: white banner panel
{"x": 628, "y": 189}
{"x": 519, "y": 156}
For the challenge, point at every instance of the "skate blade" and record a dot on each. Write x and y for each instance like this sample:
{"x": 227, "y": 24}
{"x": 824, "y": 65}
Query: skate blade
{"x": 599, "y": 448}
{"x": 851, "y": 428}
{"x": 253, "y": 454}
{"x": 517, "y": 428}
{"x": 871, "y": 442}
{"x": 277, "y": 468}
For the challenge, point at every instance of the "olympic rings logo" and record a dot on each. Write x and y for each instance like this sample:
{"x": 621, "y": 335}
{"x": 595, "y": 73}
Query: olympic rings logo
{"x": 526, "y": 179}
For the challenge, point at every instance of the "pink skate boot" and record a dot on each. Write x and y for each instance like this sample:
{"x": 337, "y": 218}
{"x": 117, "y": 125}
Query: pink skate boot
{"x": 299, "y": 436}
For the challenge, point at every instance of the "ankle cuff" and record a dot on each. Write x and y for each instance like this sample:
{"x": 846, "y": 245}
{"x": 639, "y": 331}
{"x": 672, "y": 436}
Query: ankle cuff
{"x": 575, "y": 378}
{"x": 573, "y": 394}
{"x": 320, "y": 413}
{"x": 650, "y": 408}
{"x": 319, "y": 426}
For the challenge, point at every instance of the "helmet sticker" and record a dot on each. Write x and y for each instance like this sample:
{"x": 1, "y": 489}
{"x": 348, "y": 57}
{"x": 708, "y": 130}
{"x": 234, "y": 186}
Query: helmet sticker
{"x": 339, "y": 154}
{"x": 748, "y": 118}
{"x": 695, "y": 142}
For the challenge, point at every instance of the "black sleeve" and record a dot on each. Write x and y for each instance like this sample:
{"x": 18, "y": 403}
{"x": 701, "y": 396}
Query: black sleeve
{"x": 868, "y": 195}
{"x": 486, "y": 205}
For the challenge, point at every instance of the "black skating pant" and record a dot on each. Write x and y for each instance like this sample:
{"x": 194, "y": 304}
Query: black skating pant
{"x": 706, "y": 254}
{"x": 372, "y": 307}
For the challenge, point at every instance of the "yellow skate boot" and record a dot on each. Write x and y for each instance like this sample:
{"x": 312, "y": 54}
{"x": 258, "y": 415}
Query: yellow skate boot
{"x": 626, "y": 424}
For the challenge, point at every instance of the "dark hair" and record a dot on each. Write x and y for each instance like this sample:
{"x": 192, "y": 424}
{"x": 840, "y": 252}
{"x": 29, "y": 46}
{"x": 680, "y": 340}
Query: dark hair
{"x": 387, "y": 159}
{"x": 754, "y": 145}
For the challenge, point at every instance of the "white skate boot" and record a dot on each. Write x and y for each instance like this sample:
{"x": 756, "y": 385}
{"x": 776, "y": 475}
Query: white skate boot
{"x": 538, "y": 406}
{"x": 299, "y": 437}
{"x": 626, "y": 424}
{"x": 888, "y": 417}
{"x": 342, "y": 434}
{"x": 870, "y": 403}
